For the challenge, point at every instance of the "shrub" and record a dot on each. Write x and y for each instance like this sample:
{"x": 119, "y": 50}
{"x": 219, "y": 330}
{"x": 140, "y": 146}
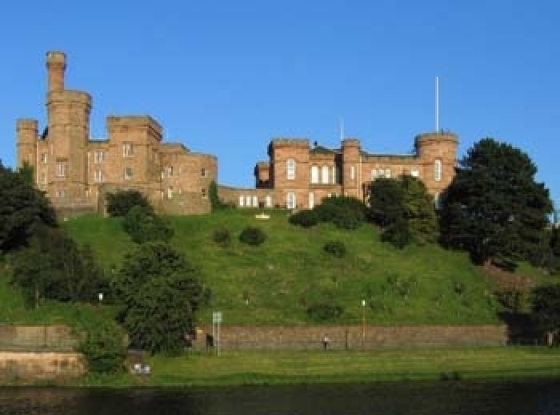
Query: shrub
{"x": 252, "y": 235}
{"x": 120, "y": 202}
{"x": 143, "y": 225}
{"x": 104, "y": 348}
{"x": 304, "y": 218}
{"x": 398, "y": 234}
{"x": 222, "y": 237}
{"x": 324, "y": 311}
{"x": 345, "y": 212}
{"x": 335, "y": 248}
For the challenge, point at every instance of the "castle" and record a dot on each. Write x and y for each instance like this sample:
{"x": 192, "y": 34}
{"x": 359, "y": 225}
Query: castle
{"x": 76, "y": 171}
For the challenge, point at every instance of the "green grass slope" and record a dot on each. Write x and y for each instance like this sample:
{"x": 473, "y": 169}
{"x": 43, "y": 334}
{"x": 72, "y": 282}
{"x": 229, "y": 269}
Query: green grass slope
{"x": 276, "y": 282}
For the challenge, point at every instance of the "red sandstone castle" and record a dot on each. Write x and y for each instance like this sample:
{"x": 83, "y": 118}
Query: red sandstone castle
{"x": 76, "y": 171}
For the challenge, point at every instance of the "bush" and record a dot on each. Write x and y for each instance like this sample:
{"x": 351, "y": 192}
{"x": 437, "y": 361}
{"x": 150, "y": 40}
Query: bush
{"x": 324, "y": 311}
{"x": 143, "y": 225}
{"x": 222, "y": 237}
{"x": 345, "y": 212}
{"x": 120, "y": 202}
{"x": 304, "y": 218}
{"x": 252, "y": 236}
{"x": 398, "y": 234}
{"x": 335, "y": 248}
{"x": 104, "y": 348}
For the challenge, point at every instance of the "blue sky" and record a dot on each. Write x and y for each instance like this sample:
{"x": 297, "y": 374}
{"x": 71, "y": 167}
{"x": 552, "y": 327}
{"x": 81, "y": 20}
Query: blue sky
{"x": 226, "y": 76}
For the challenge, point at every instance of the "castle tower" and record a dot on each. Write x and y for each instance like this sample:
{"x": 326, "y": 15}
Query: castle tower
{"x": 27, "y": 134}
{"x": 56, "y": 65}
{"x": 351, "y": 168}
{"x": 437, "y": 154}
{"x": 68, "y": 131}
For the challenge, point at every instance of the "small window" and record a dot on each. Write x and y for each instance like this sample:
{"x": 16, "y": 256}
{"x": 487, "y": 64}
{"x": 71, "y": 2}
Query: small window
{"x": 128, "y": 149}
{"x": 203, "y": 193}
{"x": 415, "y": 172}
{"x": 98, "y": 177}
{"x": 98, "y": 156}
{"x": 437, "y": 170}
{"x": 241, "y": 201}
{"x": 352, "y": 172}
{"x": 290, "y": 169}
{"x": 311, "y": 200}
{"x": 325, "y": 174}
{"x": 170, "y": 192}
{"x": 203, "y": 172}
{"x": 374, "y": 174}
{"x": 291, "y": 200}
{"x": 61, "y": 168}
{"x": 255, "y": 201}
{"x": 44, "y": 158}
{"x": 268, "y": 201}
{"x": 388, "y": 173}
{"x": 314, "y": 174}
{"x": 169, "y": 171}
{"x": 128, "y": 173}
{"x": 61, "y": 193}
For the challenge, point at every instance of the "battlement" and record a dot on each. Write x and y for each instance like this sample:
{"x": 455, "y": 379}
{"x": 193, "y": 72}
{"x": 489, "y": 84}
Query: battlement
{"x": 135, "y": 121}
{"x": 69, "y": 96}
{"x": 27, "y": 124}
{"x": 350, "y": 142}
{"x": 292, "y": 142}
{"x": 436, "y": 136}
{"x": 56, "y": 58}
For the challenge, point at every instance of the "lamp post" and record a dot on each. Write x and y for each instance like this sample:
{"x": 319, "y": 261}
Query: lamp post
{"x": 363, "y": 322}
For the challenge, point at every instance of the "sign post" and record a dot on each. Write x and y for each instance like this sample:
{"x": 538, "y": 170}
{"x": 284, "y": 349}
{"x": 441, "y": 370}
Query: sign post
{"x": 216, "y": 322}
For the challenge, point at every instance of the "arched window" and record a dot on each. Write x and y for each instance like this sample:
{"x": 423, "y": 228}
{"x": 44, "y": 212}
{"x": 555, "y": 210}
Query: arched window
{"x": 291, "y": 200}
{"x": 290, "y": 169}
{"x": 325, "y": 174}
{"x": 314, "y": 174}
{"x": 437, "y": 170}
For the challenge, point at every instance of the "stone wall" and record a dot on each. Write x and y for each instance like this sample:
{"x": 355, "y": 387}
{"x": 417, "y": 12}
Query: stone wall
{"x": 37, "y": 338}
{"x": 356, "y": 337}
{"x": 28, "y": 367}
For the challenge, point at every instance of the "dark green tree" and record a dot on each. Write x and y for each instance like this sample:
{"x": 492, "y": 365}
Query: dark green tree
{"x": 143, "y": 225}
{"x": 344, "y": 212}
{"x": 121, "y": 201}
{"x": 420, "y": 214}
{"x": 23, "y": 208}
{"x": 104, "y": 347}
{"x": 546, "y": 306}
{"x": 160, "y": 291}
{"x": 494, "y": 208}
{"x": 386, "y": 202}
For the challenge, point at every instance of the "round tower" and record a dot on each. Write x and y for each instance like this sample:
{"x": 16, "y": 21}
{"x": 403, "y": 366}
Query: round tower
{"x": 437, "y": 154}
{"x": 56, "y": 65}
{"x": 27, "y": 134}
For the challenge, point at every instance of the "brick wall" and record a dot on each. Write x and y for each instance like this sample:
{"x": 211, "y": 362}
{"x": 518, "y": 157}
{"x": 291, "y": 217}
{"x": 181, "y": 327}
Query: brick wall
{"x": 45, "y": 337}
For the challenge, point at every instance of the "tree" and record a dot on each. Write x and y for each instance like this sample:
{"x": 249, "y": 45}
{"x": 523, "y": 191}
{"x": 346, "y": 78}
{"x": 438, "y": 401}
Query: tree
{"x": 494, "y": 208}
{"x": 103, "y": 347}
{"x": 419, "y": 210}
{"x": 160, "y": 291}
{"x": 386, "y": 202}
{"x": 143, "y": 225}
{"x": 120, "y": 202}
{"x": 344, "y": 212}
{"x": 546, "y": 306}
{"x": 22, "y": 209}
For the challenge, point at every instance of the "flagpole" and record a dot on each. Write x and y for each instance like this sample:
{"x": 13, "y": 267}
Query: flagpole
{"x": 437, "y": 103}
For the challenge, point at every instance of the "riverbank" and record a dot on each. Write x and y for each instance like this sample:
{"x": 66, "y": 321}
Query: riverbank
{"x": 300, "y": 367}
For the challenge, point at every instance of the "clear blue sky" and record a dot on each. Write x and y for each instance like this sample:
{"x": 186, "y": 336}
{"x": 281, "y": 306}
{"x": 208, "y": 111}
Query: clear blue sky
{"x": 224, "y": 77}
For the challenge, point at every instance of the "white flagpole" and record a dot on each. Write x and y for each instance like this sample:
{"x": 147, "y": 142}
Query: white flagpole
{"x": 437, "y": 103}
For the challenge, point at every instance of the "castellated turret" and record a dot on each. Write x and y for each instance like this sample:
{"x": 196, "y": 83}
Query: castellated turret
{"x": 436, "y": 153}
{"x": 351, "y": 170}
{"x": 56, "y": 65}
{"x": 27, "y": 135}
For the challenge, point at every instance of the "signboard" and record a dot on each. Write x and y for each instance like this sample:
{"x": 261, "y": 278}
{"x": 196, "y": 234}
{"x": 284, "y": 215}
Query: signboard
{"x": 216, "y": 317}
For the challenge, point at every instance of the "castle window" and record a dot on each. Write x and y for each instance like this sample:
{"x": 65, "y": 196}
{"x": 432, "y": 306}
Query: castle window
{"x": 98, "y": 177}
{"x": 203, "y": 193}
{"x": 334, "y": 175}
{"x": 255, "y": 201}
{"x": 374, "y": 174}
{"x": 314, "y": 174}
{"x": 44, "y": 158}
{"x": 437, "y": 170}
{"x": 325, "y": 174}
{"x": 268, "y": 201}
{"x": 415, "y": 172}
{"x": 290, "y": 169}
{"x": 169, "y": 171}
{"x": 241, "y": 201}
{"x": 203, "y": 172}
{"x": 98, "y": 156}
{"x": 248, "y": 201}
{"x": 170, "y": 192}
{"x": 128, "y": 149}
{"x": 311, "y": 200}
{"x": 388, "y": 173}
{"x": 352, "y": 172}
{"x": 291, "y": 200}
{"x": 61, "y": 193}
{"x": 61, "y": 168}
{"x": 128, "y": 173}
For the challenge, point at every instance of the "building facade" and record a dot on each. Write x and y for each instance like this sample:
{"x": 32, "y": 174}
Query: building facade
{"x": 76, "y": 171}
{"x": 299, "y": 175}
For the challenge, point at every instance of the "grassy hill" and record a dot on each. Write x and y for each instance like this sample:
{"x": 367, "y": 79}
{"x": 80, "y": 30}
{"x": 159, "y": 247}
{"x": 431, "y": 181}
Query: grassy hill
{"x": 276, "y": 282}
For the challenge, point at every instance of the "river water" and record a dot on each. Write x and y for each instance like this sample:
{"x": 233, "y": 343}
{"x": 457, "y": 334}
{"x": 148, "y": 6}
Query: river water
{"x": 461, "y": 397}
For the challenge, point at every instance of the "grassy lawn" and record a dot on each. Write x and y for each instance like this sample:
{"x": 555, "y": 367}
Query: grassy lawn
{"x": 245, "y": 368}
{"x": 276, "y": 282}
